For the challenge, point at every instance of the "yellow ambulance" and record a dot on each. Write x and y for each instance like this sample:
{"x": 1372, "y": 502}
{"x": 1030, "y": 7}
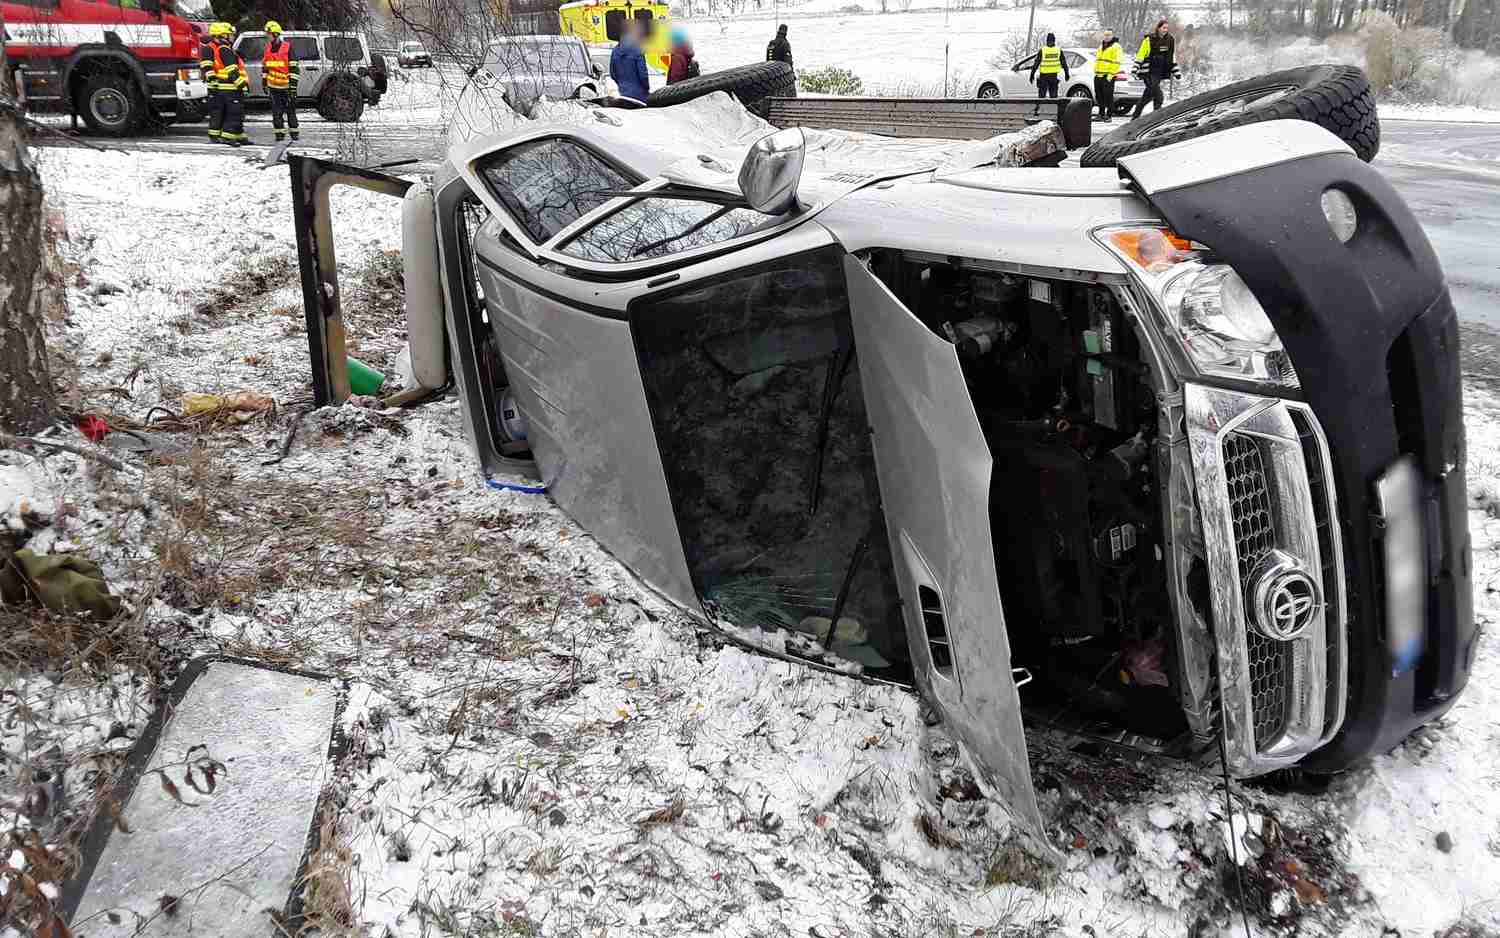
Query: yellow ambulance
{"x": 600, "y": 23}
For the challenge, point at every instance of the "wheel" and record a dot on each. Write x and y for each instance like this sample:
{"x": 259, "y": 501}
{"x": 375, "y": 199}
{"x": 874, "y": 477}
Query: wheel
{"x": 378, "y": 74}
{"x": 1079, "y": 91}
{"x": 988, "y": 90}
{"x": 1335, "y": 97}
{"x": 111, "y": 103}
{"x": 751, "y": 84}
{"x": 342, "y": 99}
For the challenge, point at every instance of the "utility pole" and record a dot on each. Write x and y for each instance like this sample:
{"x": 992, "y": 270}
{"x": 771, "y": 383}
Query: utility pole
{"x": 1031, "y": 23}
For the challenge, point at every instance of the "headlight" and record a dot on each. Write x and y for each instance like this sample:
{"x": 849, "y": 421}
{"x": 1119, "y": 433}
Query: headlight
{"x": 1219, "y": 322}
{"x": 190, "y": 74}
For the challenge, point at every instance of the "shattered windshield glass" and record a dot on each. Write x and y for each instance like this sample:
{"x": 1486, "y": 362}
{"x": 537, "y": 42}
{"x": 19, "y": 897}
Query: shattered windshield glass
{"x": 657, "y": 227}
{"x": 549, "y": 184}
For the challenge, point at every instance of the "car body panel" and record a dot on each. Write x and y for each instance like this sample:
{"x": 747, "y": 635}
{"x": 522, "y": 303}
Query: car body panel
{"x": 962, "y": 216}
{"x": 574, "y": 372}
{"x": 934, "y": 467}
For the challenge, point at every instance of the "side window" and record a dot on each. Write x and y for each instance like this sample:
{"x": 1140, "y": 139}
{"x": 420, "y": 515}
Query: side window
{"x": 253, "y": 48}
{"x": 652, "y": 227}
{"x": 614, "y": 24}
{"x": 1073, "y": 59}
{"x": 343, "y": 49}
{"x": 760, "y": 420}
{"x": 548, "y": 184}
{"x": 305, "y": 49}
{"x": 644, "y": 18}
{"x": 1025, "y": 64}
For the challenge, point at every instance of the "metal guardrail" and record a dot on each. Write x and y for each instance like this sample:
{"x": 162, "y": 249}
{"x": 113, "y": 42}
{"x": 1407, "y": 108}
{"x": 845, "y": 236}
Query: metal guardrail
{"x": 946, "y": 118}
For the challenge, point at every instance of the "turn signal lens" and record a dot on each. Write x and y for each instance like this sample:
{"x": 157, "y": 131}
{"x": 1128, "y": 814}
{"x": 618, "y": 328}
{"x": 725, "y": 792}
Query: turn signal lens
{"x": 1153, "y": 249}
{"x": 1338, "y": 208}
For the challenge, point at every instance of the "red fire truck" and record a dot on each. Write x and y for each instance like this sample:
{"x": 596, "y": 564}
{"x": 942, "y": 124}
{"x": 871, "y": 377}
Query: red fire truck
{"x": 115, "y": 63}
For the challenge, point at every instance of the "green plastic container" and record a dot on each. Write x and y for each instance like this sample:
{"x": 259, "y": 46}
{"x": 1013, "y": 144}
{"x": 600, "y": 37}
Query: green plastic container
{"x": 362, "y": 378}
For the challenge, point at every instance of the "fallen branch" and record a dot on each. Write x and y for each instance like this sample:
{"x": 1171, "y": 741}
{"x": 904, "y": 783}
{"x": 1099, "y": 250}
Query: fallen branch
{"x": 13, "y": 442}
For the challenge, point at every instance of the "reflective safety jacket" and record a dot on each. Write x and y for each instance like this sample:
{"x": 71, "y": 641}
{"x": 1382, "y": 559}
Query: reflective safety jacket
{"x": 1107, "y": 61}
{"x": 1051, "y": 60}
{"x": 228, "y": 70}
{"x": 281, "y": 70}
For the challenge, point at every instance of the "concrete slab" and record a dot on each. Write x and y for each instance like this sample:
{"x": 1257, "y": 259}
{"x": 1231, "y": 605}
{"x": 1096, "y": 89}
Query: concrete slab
{"x": 229, "y": 856}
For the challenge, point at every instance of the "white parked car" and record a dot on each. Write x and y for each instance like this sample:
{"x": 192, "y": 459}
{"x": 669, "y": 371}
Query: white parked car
{"x": 1018, "y": 82}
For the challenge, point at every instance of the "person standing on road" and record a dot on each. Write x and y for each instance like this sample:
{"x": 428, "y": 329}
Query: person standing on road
{"x": 779, "y": 49}
{"x": 681, "y": 65}
{"x": 280, "y": 73}
{"x": 1155, "y": 62}
{"x": 1106, "y": 71}
{"x": 227, "y": 84}
{"x": 1044, "y": 70}
{"x": 206, "y": 65}
{"x": 627, "y": 65}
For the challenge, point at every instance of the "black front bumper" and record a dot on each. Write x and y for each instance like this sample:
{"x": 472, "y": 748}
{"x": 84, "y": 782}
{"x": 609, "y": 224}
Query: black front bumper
{"x": 1373, "y": 335}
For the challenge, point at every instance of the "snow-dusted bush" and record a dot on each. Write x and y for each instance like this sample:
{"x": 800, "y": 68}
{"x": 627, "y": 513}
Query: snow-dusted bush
{"x": 830, "y": 80}
{"x": 1409, "y": 64}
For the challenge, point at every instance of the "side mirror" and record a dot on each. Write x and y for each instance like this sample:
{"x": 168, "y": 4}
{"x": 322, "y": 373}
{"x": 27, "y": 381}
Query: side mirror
{"x": 598, "y": 72}
{"x": 771, "y": 171}
{"x": 151, "y": 6}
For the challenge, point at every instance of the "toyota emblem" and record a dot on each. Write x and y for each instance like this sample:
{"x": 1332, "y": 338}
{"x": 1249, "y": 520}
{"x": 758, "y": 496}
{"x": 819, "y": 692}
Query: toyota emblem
{"x": 1284, "y": 600}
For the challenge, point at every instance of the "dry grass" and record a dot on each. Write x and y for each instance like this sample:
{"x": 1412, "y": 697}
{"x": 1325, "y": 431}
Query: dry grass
{"x": 329, "y": 901}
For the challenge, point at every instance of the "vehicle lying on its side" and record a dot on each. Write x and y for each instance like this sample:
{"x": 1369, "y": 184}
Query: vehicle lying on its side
{"x": 1180, "y": 437}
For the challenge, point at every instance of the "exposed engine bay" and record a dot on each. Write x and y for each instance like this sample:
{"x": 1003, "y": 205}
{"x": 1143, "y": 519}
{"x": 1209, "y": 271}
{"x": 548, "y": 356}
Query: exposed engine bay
{"x": 1066, "y": 402}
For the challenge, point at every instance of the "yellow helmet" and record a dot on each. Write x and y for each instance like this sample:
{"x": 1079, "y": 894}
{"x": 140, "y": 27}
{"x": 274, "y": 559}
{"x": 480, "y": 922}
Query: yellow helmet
{"x": 272, "y": 26}
{"x": 220, "y": 29}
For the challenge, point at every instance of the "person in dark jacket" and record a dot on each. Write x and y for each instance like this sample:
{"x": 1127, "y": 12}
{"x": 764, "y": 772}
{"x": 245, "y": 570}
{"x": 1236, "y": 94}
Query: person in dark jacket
{"x": 778, "y": 49}
{"x": 681, "y": 64}
{"x": 1049, "y": 61}
{"x": 627, "y": 65}
{"x": 1155, "y": 62}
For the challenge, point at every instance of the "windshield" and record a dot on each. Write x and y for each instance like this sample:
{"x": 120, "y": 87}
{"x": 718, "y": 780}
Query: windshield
{"x": 657, "y": 227}
{"x": 522, "y": 57}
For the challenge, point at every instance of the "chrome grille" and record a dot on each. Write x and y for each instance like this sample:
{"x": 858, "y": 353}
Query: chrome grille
{"x": 1321, "y": 489}
{"x": 1254, "y": 534}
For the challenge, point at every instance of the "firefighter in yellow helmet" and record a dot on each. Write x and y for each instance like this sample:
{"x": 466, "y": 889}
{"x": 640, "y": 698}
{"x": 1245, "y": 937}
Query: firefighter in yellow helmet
{"x": 225, "y": 71}
{"x": 280, "y": 73}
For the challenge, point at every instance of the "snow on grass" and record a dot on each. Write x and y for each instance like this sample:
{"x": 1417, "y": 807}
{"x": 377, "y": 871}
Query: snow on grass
{"x": 540, "y": 745}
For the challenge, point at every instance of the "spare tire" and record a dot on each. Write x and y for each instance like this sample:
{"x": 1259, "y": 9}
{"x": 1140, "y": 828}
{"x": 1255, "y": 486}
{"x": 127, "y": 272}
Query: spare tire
{"x": 342, "y": 98}
{"x": 1335, "y": 97}
{"x": 751, "y": 84}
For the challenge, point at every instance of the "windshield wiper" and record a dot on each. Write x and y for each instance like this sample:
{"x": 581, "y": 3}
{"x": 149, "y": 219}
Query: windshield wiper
{"x": 695, "y": 227}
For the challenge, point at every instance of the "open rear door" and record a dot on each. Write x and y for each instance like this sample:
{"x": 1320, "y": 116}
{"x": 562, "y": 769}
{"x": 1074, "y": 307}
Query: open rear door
{"x": 934, "y": 468}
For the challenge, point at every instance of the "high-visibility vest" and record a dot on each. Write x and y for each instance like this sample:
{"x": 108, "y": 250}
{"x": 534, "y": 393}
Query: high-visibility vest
{"x": 281, "y": 72}
{"x": 1107, "y": 62}
{"x": 1051, "y": 60}
{"x": 1144, "y": 52}
{"x": 227, "y": 76}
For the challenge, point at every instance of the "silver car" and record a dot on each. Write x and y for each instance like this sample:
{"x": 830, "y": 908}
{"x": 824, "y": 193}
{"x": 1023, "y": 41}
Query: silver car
{"x": 526, "y": 68}
{"x": 337, "y": 73}
{"x": 1165, "y": 455}
{"x": 1018, "y": 82}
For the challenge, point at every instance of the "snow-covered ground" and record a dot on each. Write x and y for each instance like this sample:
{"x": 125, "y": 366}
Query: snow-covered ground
{"x": 539, "y": 744}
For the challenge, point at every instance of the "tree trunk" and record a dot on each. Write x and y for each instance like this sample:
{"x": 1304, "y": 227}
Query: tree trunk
{"x": 27, "y": 400}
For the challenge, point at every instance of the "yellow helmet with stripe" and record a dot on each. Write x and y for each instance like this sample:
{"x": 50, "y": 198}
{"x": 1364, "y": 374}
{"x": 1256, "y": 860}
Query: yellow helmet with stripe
{"x": 220, "y": 29}
{"x": 272, "y": 26}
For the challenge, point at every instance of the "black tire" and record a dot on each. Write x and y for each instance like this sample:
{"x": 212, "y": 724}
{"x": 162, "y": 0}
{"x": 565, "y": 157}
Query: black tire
{"x": 751, "y": 84}
{"x": 1335, "y": 97}
{"x": 111, "y": 103}
{"x": 341, "y": 99}
{"x": 1079, "y": 91}
{"x": 988, "y": 90}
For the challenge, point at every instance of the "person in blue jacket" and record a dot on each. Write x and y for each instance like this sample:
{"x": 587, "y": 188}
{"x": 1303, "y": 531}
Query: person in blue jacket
{"x": 627, "y": 65}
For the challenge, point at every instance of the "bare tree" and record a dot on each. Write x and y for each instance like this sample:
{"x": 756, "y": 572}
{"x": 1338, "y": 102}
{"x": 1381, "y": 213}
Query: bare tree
{"x": 27, "y": 398}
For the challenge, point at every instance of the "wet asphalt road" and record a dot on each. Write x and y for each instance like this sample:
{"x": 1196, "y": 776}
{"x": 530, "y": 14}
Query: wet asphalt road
{"x": 1449, "y": 174}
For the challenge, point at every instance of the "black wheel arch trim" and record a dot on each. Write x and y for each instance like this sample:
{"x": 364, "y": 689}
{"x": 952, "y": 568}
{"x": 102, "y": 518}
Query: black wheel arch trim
{"x": 132, "y": 64}
{"x": 1340, "y": 309}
